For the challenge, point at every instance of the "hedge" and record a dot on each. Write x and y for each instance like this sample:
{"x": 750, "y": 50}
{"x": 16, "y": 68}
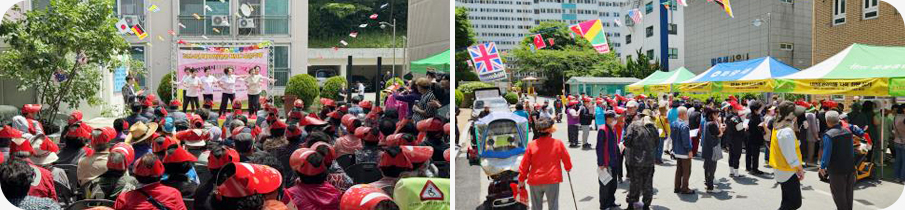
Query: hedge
{"x": 304, "y": 87}
{"x": 511, "y": 97}
{"x": 469, "y": 88}
{"x": 332, "y": 87}
{"x": 459, "y": 97}
{"x": 165, "y": 88}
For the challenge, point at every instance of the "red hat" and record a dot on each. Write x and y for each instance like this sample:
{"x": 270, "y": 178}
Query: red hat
{"x": 179, "y": 156}
{"x": 193, "y": 137}
{"x": 249, "y": 179}
{"x": 298, "y": 103}
{"x": 418, "y": 154}
{"x": 599, "y": 101}
{"x": 620, "y": 98}
{"x": 537, "y": 106}
{"x": 237, "y": 105}
{"x": 296, "y": 115}
{"x": 10, "y": 132}
{"x": 293, "y": 131}
{"x": 344, "y": 109}
{"x": 230, "y": 155}
{"x": 685, "y": 98}
{"x": 209, "y": 103}
{"x": 586, "y": 99}
{"x": 573, "y": 103}
{"x": 237, "y": 130}
{"x": 75, "y": 117}
{"x": 107, "y": 134}
{"x": 175, "y": 103}
{"x": 299, "y": 162}
{"x": 31, "y": 108}
{"x": 328, "y": 158}
{"x": 163, "y": 112}
{"x": 362, "y": 197}
{"x": 446, "y": 155}
{"x": 335, "y": 114}
{"x": 278, "y": 124}
{"x": 21, "y": 145}
{"x": 446, "y": 128}
{"x": 375, "y": 112}
{"x": 736, "y": 106}
{"x": 830, "y": 104}
{"x": 127, "y": 151}
{"x": 328, "y": 102}
{"x": 153, "y": 170}
{"x": 149, "y": 101}
{"x": 197, "y": 121}
{"x": 392, "y": 140}
{"x": 571, "y": 97}
{"x": 611, "y": 102}
{"x": 263, "y": 100}
{"x": 732, "y": 98}
{"x": 619, "y": 110}
{"x": 44, "y": 150}
{"x": 401, "y": 160}
{"x": 83, "y": 131}
{"x": 365, "y": 104}
{"x": 430, "y": 125}
{"x": 348, "y": 120}
{"x": 362, "y": 131}
{"x": 803, "y": 104}
{"x": 159, "y": 146}
{"x": 641, "y": 97}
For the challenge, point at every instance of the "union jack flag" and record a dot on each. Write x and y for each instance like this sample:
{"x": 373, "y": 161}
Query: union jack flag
{"x": 486, "y": 58}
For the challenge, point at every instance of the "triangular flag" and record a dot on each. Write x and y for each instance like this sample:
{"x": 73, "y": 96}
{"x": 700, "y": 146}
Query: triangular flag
{"x": 344, "y": 42}
{"x": 618, "y": 22}
{"x": 208, "y": 8}
{"x": 196, "y": 16}
{"x": 363, "y": 25}
{"x": 181, "y": 26}
{"x": 374, "y": 16}
{"x": 160, "y": 37}
{"x": 550, "y": 40}
{"x": 154, "y": 8}
{"x": 122, "y": 26}
{"x": 353, "y": 34}
{"x": 203, "y": 36}
{"x": 682, "y": 2}
{"x": 140, "y": 32}
{"x": 539, "y": 41}
{"x": 384, "y": 5}
{"x": 216, "y": 30}
{"x": 666, "y": 4}
{"x": 726, "y": 6}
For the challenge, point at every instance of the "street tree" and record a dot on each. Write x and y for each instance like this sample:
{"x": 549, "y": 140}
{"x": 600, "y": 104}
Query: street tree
{"x": 464, "y": 38}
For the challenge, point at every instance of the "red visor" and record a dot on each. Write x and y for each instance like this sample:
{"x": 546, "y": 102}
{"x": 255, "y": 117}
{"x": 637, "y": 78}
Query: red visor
{"x": 31, "y": 108}
{"x": 175, "y": 103}
{"x": 179, "y": 156}
{"x": 150, "y": 170}
{"x": 365, "y": 104}
{"x": 299, "y": 162}
{"x": 75, "y": 117}
{"x": 362, "y": 197}
{"x": 10, "y": 132}
{"x": 229, "y": 156}
{"x": 418, "y": 154}
{"x": 298, "y": 103}
{"x": 21, "y": 145}
{"x": 250, "y": 179}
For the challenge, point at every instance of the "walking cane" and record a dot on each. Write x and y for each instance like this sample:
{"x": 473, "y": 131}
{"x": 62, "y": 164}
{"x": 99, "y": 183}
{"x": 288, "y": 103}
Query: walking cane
{"x": 573, "y": 189}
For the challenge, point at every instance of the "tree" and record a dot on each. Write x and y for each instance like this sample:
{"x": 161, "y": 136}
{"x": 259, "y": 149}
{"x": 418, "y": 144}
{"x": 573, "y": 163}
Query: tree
{"x": 75, "y": 39}
{"x": 464, "y": 38}
{"x": 303, "y": 86}
{"x": 641, "y": 67}
{"x": 330, "y": 21}
{"x": 567, "y": 58}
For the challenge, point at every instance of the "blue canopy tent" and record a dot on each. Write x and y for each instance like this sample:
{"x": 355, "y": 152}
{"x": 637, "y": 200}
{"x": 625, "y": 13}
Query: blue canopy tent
{"x": 755, "y": 75}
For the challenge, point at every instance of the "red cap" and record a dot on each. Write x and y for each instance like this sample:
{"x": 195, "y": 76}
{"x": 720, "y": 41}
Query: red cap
{"x": 175, "y": 103}
{"x": 446, "y": 128}
{"x": 830, "y": 104}
{"x": 107, "y": 134}
{"x": 803, "y": 104}
{"x": 192, "y": 135}
{"x": 736, "y": 106}
{"x": 197, "y": 121}
{"x": 229, "y": 156}
{"x": 75, "y": 117}
{"x": 45, "y": 145}
{"x": 328, "y": 158}
{"x": 392, "y": 140}
{"x": 401, "y": 160}
{"x": 237, "y": 104}
{"x": 344, "y": 109}
{"x": 159, "y": 146}
{"x": 149, "y": 101}
{"x": 296, "y": 115}
{"x": 299, "y": 162}
{"x": 31, "y": 108}
{"x": 21, "y": 145}
{"x": 418, "y": 154}
{"x": 620, "y": 98}
{"x": 152, "y": 170}
{"x": 586, "y": 99}
{"x": 599, "y": 101}
{"x": 163, "y": 112}
{"x": 278, "y": 124}
{"x": 328, "y": 102}
{"x": 362, "y": 197}
{"x": 619, "y": 110}
{"x": 365, "y": 104}
{"x": 573, "y": 103}
{"x": 348, "y": 120}
{"x": 127, "y": 151}
{"x": 249, "y": 179}
{"x": 83, "y": 131}
{"x": 430, "y": 125}
{"x": 314, "y": 115}
{"x": 179, "y": 156}
{"x": 446, "y": 155}
{"x": 362, "y": 132}
{"x": 732, "y": 98}
{"x": 10, "y": 132}
{"x": 375, "y": 112}
{"x": 335, "y": 114}
{"x": 298, "y": 103}
{"x": 293, "y": 131}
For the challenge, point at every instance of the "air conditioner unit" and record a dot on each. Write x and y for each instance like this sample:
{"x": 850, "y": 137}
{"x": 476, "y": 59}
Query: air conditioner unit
{"x": 219, "y": 20}
{"x": 131, "y": 20}
{"x": 246, "y": 23}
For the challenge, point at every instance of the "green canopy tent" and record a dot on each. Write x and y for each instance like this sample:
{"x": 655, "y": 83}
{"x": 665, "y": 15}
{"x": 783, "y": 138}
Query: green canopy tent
{"x": 438, "y": 62}
{"x": 661, "y": 82}
{"x": 863, "y": 70}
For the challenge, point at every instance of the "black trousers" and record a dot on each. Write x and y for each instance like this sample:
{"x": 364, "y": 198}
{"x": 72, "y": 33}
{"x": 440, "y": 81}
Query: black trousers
{"x": 842, "y": 187}
{"x": 752, "y": 154}
{"x": 225, "y": 99}
{"x": 709, "y": 170}
{"x": 208, "y": 97}
{"x": 735, "y": 152}
{"x": 190, "y": 100}
{"x": 254, "y": 104}
{"x": 607, "y": 193}
{"x": 791, "y": 194}
{"x": 573, "y": 134}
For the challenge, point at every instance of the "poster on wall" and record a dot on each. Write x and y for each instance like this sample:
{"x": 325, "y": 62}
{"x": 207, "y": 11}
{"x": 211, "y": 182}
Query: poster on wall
{"x": 241, "y": 62}
{"x": 119, "y": 78}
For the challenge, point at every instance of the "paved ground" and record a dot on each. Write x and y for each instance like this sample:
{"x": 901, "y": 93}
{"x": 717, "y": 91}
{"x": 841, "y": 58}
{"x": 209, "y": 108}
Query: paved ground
{"x": 752, "y": 192}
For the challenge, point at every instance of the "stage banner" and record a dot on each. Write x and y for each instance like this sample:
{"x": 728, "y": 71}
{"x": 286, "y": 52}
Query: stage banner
{"x": 862, "y": 87}
{"x": 241, "y": 62}
{"x": 743, "y": 86}
{"x": 698, "y": 87}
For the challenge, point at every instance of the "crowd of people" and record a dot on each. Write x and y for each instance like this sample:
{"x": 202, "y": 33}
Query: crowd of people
{"x": 349, "y": 153}
{"x": 635, "y": 133}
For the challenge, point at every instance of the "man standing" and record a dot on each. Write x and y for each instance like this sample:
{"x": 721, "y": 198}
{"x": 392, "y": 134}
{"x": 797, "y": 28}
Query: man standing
{"x": 607, "y": 158}
{"x": 755, "y": 138}
{"x": 128, "y": 90}
{"x": 541, "y": 166}
{"x": 838, "y": 151}
{"x": 586, "y": 114}
{"x": 641, "y": 140}
{"x": 681, "y": 148}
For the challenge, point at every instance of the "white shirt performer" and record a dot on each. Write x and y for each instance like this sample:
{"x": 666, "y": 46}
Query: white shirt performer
{"x": 254, "y": 82}
{"x": 207, "y": 85}
{"x": 192, "y": 85}
{"x": 227, "y": 83}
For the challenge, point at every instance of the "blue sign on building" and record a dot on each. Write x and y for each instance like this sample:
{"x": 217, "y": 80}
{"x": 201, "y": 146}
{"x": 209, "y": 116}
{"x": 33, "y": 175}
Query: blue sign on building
{"x": 119, "y": 78}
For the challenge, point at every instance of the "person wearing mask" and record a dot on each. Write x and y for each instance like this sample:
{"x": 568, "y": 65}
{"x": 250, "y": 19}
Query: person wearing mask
{"x": 152, "y": 194}
{"x": 219, "y": 157}
{"x": 192, "y": 86}
{"x": 116, "y": 180}
{"x": 586, "y": 115}
{"x": 207, "y": 85}
{"x": 227, "y": 84}
{"x": 16, "y": 177}
{"x": 573, "y": 123}
{"x": 310, "y": 191}
{"x": 735, "y": 135}
{"x": 542, "y": 164}
{"x": 681, "y": 139}
{"x": 838, "y": 157}
{"x": 607, "y": 158}
{"x": 711, "y": 151}
{"x": 755, "y": 138}
{"x": 785, "y": 156}
{"x": 641, "y": 139}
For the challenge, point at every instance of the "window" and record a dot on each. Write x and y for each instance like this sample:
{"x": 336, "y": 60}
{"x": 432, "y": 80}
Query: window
{"x": 785, "y": 46}
{"x": 870, "y": 10}
{"x": 786, "y": 1}
{"x": 650, "y": 54}
{"x": 39, "y": 4}
{"x": 648, "y": 8}
{"x": 629, "y": 21}
{"x": 838, "y": 12}
{"x": 132, "y": 11}
{"x": 272, "y": 19}
{"x": 673, "y": 5}
{"x": 219, "y": 17}
{"x": 280, "y": 65}
{"x": 628, "y": 39}
{"x": 673, "y": 29}
{"x": 138, "y": 53}
{"x": 673, "y": 53}
{"x": 649, "y": 31}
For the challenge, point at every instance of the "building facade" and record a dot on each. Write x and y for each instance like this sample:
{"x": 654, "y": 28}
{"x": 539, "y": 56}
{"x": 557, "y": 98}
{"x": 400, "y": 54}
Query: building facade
{"x": 776, "y": 28}
{"x": 506, "y": 22}
{"x": 840, "y": 23}
{"x": 647, "y": 36}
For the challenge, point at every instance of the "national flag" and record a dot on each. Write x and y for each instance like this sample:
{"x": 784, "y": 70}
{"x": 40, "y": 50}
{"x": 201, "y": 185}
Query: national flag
{"x": 726, "y": 6}
{"x": 353, "y": 34}
{"x": 208, "y": 8}
{"x": 618, "y": 22}
{"x": 154, "y": 8}
{"x": 539, "y": 41}
{"x": 666, "y": 4}
{"x": 197, "y": 17}
{"x": 682, "y": 2}
{"x": 216, "y": 30}
{"x": 122, "y": 26}
{"x": 373, "y": 17}
{"x": 181, "y": 26}
{"x": 635, "y": 14}
{"x": 344, "y": 42}
{"x": 363, "y": 25}
{"x": 592, "y": 30}
{"x": 140, "y": 32}
{"x": 171, "y": 32}
{"x": 550, "y": 40}
{"x": 486, "y": 58}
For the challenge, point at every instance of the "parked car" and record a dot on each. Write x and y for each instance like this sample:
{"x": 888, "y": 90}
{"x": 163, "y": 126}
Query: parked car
{"x": 490, "y": 97}
{"x": 369, "y": 84}
{"x": 322, "y": 74}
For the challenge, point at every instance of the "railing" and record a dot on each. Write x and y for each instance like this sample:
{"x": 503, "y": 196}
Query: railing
{"x": 263, "y": 25}
{"x": 246, "y": 26}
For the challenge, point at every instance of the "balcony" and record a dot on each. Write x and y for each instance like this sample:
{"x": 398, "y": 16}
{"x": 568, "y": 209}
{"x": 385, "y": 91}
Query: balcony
{"x": 246, "y": 26}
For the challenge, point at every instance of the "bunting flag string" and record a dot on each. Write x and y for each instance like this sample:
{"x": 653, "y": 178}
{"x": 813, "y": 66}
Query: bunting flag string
{"x": 228, "y": 49}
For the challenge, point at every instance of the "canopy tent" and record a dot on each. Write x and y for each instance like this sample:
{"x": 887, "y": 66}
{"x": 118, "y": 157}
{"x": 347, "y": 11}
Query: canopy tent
{"x": 755, "y": 75}
{"x": 660, "y": 82}
{"x": 438, "y": 62}
{"x": 860, "y": 69}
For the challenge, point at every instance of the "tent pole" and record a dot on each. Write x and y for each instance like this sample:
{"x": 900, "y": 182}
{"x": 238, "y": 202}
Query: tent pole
{"x": 882, "y": 138}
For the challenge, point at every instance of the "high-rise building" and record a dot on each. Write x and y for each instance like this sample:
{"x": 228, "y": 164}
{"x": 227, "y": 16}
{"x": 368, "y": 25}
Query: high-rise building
{"x": 506, "y": 22}
{"x": 777, "y": 28}
{"x": 840, "y": 23}
{"x": 649, "y": 36}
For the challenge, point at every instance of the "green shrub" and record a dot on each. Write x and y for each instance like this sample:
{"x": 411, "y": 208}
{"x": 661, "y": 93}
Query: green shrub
{"x": 165, "y": 88}
{"x": 332, "y": 87}
{"x": 304, "y": 87}
{"x": 459, "y": 97}
{"x": 395, "y": 79}
{"x": 468, "y": 88}
{"x": 511, "y": 97}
